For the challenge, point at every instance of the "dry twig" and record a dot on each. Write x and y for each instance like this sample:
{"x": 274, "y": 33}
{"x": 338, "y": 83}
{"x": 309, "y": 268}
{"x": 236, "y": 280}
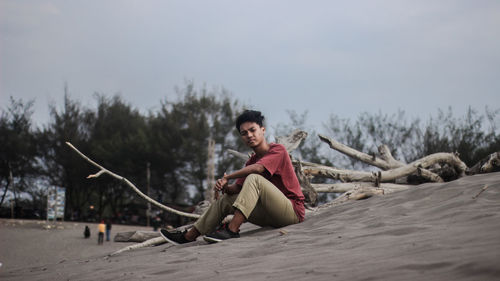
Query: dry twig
{"x": 481, "y": 191}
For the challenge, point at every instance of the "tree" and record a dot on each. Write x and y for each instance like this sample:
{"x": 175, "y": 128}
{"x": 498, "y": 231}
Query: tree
{"x": 411, "y": 140}
{"x": 18, "y": 150}
{"x": 467, "y": 135}
{"x": 179, "y": 137}
{"x": 118, "y": 139}
{"x": 61, "y": 167}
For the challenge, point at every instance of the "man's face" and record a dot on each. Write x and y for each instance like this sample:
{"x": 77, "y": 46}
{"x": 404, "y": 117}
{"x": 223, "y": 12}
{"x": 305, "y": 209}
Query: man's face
{"x": 252, "y": 134}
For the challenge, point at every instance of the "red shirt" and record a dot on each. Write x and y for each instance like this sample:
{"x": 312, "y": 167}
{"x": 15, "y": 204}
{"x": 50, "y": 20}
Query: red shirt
{"x": 279, "y": 171}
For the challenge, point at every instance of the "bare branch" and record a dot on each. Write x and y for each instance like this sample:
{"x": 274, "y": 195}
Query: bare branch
{"x": 369, "y": 159}
{"x": 238, "y": 154}
{"x": 386, "y": 155}
{"x": 156, "y": 203}
{"x": 96, "y": 175}
{"x": 481, "y": 191}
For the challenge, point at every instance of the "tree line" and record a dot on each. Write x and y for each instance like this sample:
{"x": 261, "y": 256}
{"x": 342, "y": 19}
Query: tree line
{"x": 170, "y": 144}
{"x": 171, "y": 141}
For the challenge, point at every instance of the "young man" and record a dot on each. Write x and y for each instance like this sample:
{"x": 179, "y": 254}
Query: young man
{"x": 266, "y": 191}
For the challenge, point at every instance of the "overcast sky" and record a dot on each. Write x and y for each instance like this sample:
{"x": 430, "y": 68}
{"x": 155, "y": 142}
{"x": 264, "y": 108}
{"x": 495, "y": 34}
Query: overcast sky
{"x": 324, "y": 57}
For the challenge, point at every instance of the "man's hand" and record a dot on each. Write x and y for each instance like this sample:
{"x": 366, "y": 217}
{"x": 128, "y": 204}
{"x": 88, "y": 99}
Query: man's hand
{"x": 221, "y": 183}
{"x": 232, "y": 189}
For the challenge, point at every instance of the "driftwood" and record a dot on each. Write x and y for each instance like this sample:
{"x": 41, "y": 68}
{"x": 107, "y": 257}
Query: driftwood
{"x": 492, "y": 164}
{"x": 292, "y": 141}
{"x": 481, "y": 191}
{"x": 357, "y": 185}
{"x": 239, "y": 155}
{"x": 390, "y": 175}
{"x": 362, "y": 184}
{"x": 135, "y": 236}
{"x": 127, "y": 182}
{"x": 369, "y": 159}
{"x": 348, "y": 186}
{"x": 386, "y": 155}
{"x": 147, "y": 243}
{"x": 385, "y": 162}
{"x": 356, "y": 194}
{"x": 487, "y": 165}
{"x": 310, "y": 193}
{"x": 150, "y": 242}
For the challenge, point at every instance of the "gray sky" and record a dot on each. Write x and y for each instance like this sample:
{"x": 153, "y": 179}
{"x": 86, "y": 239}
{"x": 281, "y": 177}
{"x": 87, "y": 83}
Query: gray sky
{"x": 341, "y": 57}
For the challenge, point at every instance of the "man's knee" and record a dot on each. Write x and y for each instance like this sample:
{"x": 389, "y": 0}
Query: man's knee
{"x": 254, "y": 178}
{"x": 226, "y": 201}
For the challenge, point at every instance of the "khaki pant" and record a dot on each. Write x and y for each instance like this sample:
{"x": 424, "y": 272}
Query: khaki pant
{"x": 259, "y": 200}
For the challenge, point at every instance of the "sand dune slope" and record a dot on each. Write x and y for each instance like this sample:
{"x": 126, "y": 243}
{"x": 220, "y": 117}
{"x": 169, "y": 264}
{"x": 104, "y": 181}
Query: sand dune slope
{"x": 431, "y": 232}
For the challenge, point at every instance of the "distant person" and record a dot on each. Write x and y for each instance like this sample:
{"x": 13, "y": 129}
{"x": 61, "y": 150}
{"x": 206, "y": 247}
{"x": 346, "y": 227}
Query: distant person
{"x": 156, "y": 223}
{"x": 266, "y": 191}
{"x": 108, "y": 229}
{"x": 102, "y": 228}
{"x": 86, "y": 232}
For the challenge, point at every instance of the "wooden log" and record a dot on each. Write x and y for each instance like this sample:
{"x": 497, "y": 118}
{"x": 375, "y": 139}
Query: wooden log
{"x": 348, "y": 186}
{"x": 490, "y": 163}
{"x": 135, "y": 236}
{"x": 355, "y": 194}
{"x": 148, "y": 243}
{"x": 296, "y": 162}
{"x": 340, "y": 174}
{"x": 386, "y": 155}
{"x": 151, "y": 242}
{"x": 385, "y": 162}
{"x": 390, "y": 175}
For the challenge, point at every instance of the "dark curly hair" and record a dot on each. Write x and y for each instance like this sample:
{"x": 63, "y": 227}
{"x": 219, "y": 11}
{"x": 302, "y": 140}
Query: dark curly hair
{"x": 249, "y": 116}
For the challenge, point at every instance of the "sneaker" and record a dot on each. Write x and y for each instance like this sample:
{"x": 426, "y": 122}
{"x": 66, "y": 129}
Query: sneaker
{"x": 222, "y": 233}
{"x": 176, "y": 237}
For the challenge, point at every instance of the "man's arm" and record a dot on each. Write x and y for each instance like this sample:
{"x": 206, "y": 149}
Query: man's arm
{"x": 247, "y": 170}
{"x": 221, "y": 184}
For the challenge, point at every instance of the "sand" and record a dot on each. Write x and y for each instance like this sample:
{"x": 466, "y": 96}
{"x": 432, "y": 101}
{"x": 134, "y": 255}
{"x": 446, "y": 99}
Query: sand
{"x": 431, "y": 232}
